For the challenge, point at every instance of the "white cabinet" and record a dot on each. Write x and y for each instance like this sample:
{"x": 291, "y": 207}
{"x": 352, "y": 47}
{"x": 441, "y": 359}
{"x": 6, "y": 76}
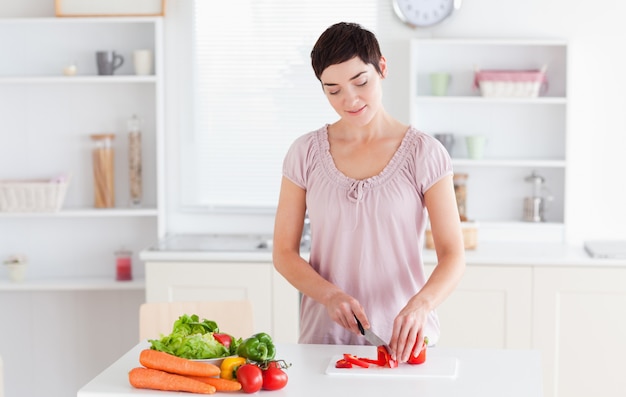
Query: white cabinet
{"x": 47, "y": 119}
{"x": 522, "y": 134}
{"x": 490, "y": 308}
{"x": 571, "y": 314}
{"x": 275, "y": 302}
{"x": 67, "y": 336}
{"x": 579, "y": 326}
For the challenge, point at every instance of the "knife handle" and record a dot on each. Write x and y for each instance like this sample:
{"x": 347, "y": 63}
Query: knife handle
{"x": 358, "y": 323}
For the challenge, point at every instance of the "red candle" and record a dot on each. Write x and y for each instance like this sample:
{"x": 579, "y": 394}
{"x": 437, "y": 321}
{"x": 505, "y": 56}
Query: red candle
{"x": 123, "y": 266}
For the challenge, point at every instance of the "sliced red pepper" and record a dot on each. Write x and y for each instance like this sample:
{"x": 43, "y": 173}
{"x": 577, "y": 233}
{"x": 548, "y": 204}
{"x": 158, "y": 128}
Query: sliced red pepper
{"x": 371, "y": 361}
{"x": 341, "y": 363}
{"x": 384, "y": 358}
{"x": 224, "y": 339}
{"x": 355, "y": 361}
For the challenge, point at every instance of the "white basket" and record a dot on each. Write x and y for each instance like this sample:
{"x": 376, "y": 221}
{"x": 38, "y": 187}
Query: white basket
{"x": 42, "y": 195}
{"x": 511, "y": 83}
{"x": 510, "y": 89}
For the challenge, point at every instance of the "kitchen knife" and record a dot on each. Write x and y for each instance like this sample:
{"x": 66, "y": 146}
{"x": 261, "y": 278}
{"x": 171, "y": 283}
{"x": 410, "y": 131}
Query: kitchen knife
{"x": 371, "y": 337}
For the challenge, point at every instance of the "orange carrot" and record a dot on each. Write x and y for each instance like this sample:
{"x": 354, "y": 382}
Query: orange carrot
{"x": 169, "y": 363}
{"x": 220, "y": 384}
{"x": 147, "y": 378}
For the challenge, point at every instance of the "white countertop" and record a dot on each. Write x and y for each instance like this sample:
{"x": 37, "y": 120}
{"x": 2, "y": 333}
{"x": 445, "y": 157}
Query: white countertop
{"x": 73, "y": 284}
{"x": 487, "y": 253}
{"x": 480, "y": 373}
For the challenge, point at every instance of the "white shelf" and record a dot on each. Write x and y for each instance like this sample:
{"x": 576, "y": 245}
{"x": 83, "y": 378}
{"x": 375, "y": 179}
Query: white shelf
{"x": 77, "y": 79}
{"x": 464, "y": 99}
{"x": 85, "y": 213}
{"x": 49, "y": 117}
{"x": 530, "y": 163}
{"x": 72, "y": 284}
{"x": 78, "y": 20}
{"x": 491, "y": 42}
{"x": 522, "y": 134}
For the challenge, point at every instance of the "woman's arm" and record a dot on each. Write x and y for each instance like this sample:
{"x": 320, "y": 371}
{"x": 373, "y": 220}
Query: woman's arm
{"x": 288, "y": 262}
{"x": 445, "y": 224}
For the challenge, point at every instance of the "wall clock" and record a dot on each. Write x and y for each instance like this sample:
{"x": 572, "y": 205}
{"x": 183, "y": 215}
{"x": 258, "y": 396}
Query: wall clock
{"x": 424, "y": 13}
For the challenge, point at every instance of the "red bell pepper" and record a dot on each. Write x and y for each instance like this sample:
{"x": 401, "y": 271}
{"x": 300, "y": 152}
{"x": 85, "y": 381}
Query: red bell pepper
{"x": 341, "y": 363}
{"x": 420, "y": 358}
{"x": 355, "y": 360}
{"x": 385, "y": 358}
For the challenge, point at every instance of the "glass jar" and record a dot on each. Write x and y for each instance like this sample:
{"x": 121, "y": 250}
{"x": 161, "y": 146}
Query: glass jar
{"x": 134, "y": 161}
{"x": 460, "y": 190}
{"x": 123, "y": 265}
{"x": 103, "y": 158}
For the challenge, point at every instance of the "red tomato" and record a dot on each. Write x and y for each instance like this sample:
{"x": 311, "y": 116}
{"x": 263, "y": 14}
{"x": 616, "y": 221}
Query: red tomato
{"x": 274, "y": 378}
{"x": 251, "y": 378}
{"x": 224, "y": 339}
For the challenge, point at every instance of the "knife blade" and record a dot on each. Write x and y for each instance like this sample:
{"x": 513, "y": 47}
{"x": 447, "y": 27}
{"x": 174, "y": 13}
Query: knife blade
{"x": 371, "y": 337}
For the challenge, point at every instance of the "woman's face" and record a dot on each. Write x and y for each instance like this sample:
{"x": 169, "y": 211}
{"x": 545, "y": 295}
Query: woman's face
{"x": 354, "y": 89}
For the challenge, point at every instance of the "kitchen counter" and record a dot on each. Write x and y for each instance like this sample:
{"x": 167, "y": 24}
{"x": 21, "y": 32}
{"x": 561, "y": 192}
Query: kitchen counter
{"x": 196, "y": 248}
{"x": 480, "y": 373}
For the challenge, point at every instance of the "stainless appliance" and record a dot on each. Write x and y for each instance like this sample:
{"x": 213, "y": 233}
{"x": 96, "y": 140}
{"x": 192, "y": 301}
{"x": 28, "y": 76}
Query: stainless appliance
{"x": 535, "y": 205}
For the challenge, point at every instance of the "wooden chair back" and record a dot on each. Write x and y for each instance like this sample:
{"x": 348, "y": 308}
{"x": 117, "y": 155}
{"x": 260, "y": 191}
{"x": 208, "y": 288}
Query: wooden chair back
{"x": 232, "y": 317}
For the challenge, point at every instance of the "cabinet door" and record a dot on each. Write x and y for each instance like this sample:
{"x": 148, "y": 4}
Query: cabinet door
{"x": 579, "y": 326}
{"x": 286, "y": 309}
{"x": 490, "y": 308}
{"x": 198, "y": 281}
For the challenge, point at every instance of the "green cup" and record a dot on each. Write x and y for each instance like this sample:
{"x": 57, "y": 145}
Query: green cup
{"x": 439, "y": 83}
{"x": 475, "y": 146}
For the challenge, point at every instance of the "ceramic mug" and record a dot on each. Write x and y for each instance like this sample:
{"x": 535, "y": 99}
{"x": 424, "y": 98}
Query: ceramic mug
{"x": 439, "y": 83}
{"x": 475, "y": 146}
{"x": 17, "y": 271}
{"x": 447, "y": 140}
{"x": 142, "y": 61}
{"x": 108, "y": 62}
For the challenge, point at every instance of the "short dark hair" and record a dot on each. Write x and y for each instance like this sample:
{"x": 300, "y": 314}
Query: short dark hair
{"x": 342, "y": 42}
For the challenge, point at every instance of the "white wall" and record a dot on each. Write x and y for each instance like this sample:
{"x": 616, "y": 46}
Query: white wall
{"x": 597, "y": 133}
{"x": 596, "y": 124}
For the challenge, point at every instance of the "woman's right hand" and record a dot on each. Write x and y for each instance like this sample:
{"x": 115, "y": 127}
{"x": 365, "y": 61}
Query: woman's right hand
{"x": 342, "y": 308}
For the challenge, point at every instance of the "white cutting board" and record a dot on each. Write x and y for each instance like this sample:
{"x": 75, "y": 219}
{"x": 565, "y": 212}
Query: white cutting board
{"x": 434, "y": 367}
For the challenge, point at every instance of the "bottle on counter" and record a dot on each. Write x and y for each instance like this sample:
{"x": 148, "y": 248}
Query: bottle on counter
{"x": 103, "y": 158}
{"x": 134, "y": 161}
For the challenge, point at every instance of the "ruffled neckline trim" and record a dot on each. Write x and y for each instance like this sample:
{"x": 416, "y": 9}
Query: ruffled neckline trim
{"x": 387, "y": 173}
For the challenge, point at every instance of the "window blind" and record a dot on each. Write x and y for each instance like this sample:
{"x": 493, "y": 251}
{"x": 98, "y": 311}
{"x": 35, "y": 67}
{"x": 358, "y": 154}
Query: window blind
{"x": 254, "y": 92}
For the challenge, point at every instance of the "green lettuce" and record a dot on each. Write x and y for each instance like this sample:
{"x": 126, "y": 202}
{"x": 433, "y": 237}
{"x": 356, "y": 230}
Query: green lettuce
{"x": 193, "y": 339}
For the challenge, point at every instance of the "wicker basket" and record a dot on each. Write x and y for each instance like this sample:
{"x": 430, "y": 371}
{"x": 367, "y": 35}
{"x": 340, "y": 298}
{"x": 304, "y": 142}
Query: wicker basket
{"x": 40, "y": 195}
{"x": 470, "y": 236}
{"x": 511, "y": 83}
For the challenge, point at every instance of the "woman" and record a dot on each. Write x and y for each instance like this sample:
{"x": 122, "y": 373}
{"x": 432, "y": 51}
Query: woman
{"x": 369, "y": 184}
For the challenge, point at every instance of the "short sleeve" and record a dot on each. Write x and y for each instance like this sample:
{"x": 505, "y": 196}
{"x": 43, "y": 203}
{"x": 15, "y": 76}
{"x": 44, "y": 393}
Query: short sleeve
{"x": 434, "y": 162}
{"x": 297, "y": 161}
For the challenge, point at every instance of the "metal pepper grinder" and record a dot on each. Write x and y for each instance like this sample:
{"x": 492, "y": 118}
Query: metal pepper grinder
{"x": 535, "y": 206}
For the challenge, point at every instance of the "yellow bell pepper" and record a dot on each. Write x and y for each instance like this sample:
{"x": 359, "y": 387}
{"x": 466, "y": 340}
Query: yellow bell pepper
{"x": 229, "y": 367}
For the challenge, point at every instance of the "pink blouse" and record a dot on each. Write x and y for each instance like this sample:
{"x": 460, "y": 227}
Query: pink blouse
{"x": 366, "y": 235}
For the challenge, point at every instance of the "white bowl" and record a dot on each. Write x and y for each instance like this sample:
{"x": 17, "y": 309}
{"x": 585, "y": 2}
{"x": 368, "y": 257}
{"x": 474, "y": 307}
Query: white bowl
{"x": 214, "y": 361}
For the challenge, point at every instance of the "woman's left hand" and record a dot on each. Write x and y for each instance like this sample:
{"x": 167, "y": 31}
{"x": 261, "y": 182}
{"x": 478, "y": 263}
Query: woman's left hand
{"x": 408, "y": 331}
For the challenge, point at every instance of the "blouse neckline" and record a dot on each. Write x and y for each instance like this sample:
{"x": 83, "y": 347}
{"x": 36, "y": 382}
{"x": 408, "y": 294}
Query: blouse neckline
{"x": 387, "y": 172}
